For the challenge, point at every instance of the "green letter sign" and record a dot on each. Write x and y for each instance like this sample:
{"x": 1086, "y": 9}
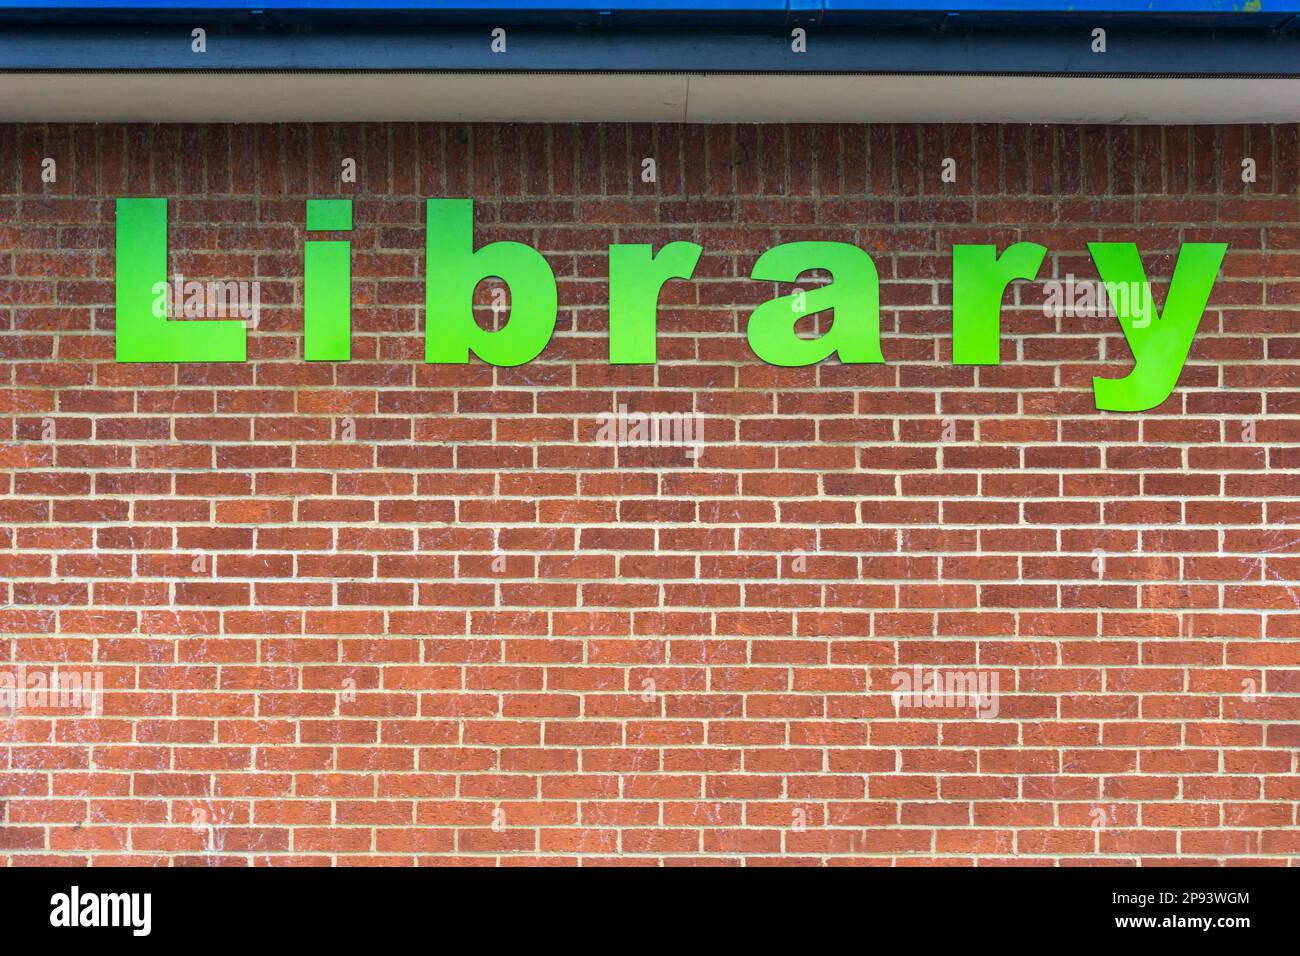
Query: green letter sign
{"x": 1159, "y": 343}
{"x": 144, "y": 333}
{"x": 853, "y": 296}
{"x": 148, "y": 332}
{"x": 453, "y": 271}
{"x": 979, "y": 279}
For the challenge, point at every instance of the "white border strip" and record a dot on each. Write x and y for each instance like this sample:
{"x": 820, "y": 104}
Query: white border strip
{"x": 697, "y": 98}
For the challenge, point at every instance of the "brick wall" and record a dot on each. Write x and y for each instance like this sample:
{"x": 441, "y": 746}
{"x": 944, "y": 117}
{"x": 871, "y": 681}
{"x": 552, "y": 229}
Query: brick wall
{"x": 387, "y": 612}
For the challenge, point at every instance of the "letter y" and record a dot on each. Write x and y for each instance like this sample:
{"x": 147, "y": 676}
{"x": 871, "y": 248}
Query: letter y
{"x": 1159, "y": 343}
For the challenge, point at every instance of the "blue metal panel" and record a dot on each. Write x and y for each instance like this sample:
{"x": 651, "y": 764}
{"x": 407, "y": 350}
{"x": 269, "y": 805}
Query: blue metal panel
{"x": 1176, "y": 37}
{"x": 466, "y": 49}
{"x": 486, "y": 6}
{"x": 482, "y": 6}
{"x": 1064, "y": 6}
{"x": 1258, "y": 14}
{"x": 1247, "y": 7}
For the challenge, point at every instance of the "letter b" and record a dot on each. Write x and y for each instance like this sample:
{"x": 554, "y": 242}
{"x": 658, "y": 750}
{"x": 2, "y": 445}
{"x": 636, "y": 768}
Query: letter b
{"x": 453, "y": 271}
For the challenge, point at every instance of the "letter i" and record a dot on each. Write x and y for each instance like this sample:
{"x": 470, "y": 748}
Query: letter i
{"x": 327, "y": 283}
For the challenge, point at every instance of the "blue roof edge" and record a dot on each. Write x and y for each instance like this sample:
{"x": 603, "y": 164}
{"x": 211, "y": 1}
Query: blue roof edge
{"x": 556, "y": 12}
